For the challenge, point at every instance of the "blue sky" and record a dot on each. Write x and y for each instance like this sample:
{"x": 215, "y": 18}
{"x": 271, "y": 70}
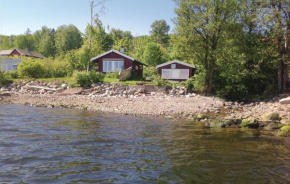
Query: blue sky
{"x": 132, "y": 15}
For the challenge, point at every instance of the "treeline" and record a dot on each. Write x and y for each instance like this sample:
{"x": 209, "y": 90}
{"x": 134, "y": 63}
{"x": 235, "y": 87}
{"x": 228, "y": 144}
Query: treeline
{"x": 236, "y": 45}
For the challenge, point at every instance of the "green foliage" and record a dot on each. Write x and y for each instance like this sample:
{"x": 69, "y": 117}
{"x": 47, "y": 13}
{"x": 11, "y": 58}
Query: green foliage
{"x": 285, "y": 131}
{"x": 112, "y": 75}
{"x": 199, "y": 80}
{"x": 154, "y": 54}
{"x": 85, "y": 79}
{"x": 67, "y": 38}
{"x": 44, "y": 68}
{"x": 207, "y": 21}
{"x": 159, "y": 31}
{"x": 4, "y": 79}
{"x": 189, "y": 84}
{"x": 150, "y": 71}
{"x": 56, "y": 68}
{"x": 159, "y": 81}
{"x": 12, "y": 74}
{"x": 33, "y": 68}
{"x": 121, "y": 39}
{"x": 44, "y": 39}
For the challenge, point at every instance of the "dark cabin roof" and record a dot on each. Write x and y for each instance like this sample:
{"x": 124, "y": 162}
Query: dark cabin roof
{"x": 124, "y": 55}
{"x": 175, "y": 61}
{"x": 23, "y": 52}
{"x": 28, "y": 53}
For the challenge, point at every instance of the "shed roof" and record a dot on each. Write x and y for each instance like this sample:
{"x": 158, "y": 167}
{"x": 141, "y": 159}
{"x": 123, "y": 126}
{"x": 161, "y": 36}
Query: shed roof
{"x": 175, "y": 61}
{"x": 117, "y": 52}
{"x": 37, "y": 54}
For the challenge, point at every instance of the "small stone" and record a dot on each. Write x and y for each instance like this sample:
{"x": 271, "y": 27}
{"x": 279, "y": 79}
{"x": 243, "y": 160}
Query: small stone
{"x": 64, "y": 86}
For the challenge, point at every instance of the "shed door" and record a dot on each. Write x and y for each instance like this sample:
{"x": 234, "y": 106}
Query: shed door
{"x": 175, "y": 73}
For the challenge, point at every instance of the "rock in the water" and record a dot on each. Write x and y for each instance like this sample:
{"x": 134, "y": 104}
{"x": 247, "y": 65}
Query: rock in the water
{"x": 217, "y": 124}
{"x": 272, "y": 116}
{"x": 272, "y": 126}
{"x": 285, "y": 121}
{"x": 285, "y": 131}
{"x": 250, "y": 123}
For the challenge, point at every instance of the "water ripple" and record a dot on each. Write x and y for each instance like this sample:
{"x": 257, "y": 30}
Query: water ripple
{"x": 39, "y": 145}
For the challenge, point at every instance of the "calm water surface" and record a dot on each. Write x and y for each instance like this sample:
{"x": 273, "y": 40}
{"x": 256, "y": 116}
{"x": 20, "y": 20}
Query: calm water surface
{"x": 39, "y": 145}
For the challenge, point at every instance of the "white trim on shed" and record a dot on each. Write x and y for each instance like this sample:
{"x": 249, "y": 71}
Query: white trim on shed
{"x": 175, "y": 61}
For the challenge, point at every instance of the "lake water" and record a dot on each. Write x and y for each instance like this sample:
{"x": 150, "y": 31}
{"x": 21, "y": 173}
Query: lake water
{"x": 40, "y": 145}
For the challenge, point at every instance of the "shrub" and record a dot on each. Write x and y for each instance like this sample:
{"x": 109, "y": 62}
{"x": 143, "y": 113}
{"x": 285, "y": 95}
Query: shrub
{"x": 57, "y": 67}
{"x": 249, "y": 123}
{"x": 4, "y": 79}
{"x": 150, "y": 71}
{"x": 85, "y": 79}
{"x": 159, "y": 81}
{"x": 189, "y": 84}
{"x": 199, "y": 82}
{"x": 12, "y": 74}
{"x": 32, "y": 68}
{"x": 112, "y": 75}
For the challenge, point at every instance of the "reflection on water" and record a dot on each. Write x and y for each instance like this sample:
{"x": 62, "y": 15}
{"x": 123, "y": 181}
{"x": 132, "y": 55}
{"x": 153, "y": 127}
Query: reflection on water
{"x": 39, "y": 145}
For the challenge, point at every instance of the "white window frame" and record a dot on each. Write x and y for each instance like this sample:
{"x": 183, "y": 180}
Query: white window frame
{"x": 176, "y": 70}
{"x": 105, "y": 65}
{"x": 173, "y": 66}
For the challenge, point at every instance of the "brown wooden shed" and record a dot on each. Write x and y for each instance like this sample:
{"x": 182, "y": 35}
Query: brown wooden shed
{"x": 113, "y": 61}
{"x": 176, "y": 70}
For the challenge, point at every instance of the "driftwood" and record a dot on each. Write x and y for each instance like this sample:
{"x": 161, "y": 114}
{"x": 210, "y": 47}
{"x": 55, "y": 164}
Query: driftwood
{"x": 40, "y": 87}
{"x": 125, "y": 74}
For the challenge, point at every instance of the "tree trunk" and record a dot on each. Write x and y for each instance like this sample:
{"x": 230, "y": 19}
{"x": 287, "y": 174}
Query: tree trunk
{"x": 280, "y": 75}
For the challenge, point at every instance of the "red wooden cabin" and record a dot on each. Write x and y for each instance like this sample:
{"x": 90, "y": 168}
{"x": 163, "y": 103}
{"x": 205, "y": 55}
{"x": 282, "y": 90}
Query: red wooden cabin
{"x": 113, "y": 61}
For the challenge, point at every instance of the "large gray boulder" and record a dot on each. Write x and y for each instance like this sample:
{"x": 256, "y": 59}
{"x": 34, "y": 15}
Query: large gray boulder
{"x": 285, "y": 100}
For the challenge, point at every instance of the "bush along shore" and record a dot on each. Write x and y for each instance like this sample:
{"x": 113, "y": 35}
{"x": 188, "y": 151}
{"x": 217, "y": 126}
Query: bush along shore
{"x": 145, "y": 100}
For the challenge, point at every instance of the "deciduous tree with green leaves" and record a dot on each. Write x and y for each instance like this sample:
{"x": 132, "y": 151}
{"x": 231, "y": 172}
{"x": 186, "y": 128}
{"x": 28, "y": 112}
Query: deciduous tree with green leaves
{"x": 200, "y": 25}
{"x": 159, "y": 31}
{"x": 67, "y": 37}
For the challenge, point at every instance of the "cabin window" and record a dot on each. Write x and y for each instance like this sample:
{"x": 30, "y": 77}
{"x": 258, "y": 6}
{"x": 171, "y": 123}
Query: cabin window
{"x": 113, "y": 66}
{"x": 3, "y": 67}
{"x": 175, "y": 73}
{"x": 14, "y": 67}
{"x": 136, "y": 67}
{"x": 173, "y": 66}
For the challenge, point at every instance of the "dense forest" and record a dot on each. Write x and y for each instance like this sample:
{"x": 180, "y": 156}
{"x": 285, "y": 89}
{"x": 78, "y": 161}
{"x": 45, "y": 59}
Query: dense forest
{"x": 237, "y": 46}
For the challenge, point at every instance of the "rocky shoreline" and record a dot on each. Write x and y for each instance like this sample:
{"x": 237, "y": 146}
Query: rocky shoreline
{"x": 173, "y": 103}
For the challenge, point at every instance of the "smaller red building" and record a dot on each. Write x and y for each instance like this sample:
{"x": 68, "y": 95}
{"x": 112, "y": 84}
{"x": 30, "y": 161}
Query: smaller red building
{"x": 113, "y": 61}
{"x": 176, "y": 70}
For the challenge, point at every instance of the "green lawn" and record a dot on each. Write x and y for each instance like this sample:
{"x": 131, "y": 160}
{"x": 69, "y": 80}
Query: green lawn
{"x": 62, "y": 79}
